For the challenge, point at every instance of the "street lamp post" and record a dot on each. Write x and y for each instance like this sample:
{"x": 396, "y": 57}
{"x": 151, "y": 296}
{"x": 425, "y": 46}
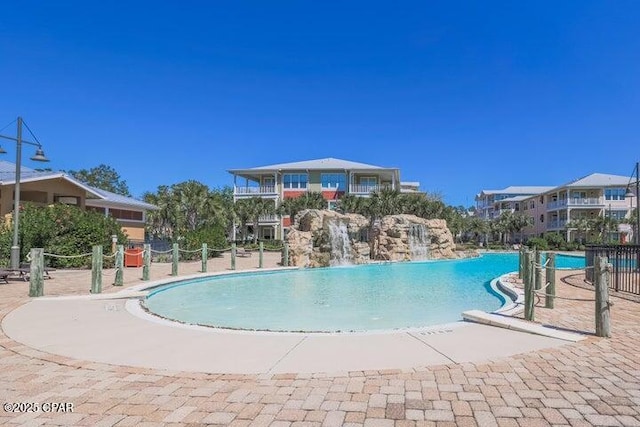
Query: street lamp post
{"x": 38, "y": 157}
{"x": 629, "y": 193}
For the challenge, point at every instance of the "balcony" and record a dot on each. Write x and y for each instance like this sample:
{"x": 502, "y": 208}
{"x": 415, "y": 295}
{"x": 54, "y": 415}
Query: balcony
{"x": 268, "y": 219}
{"x": 575, "y": 202}
{"x": 585, "y": 201}
{"x": 255, "y": 191}
{"x": 367, "y": 189}
{"x": 556, "y": 224}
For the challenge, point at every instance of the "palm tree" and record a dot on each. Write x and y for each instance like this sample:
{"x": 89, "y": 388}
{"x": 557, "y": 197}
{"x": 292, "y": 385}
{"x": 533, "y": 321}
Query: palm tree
{"x": 518, "y": 223}
{"x": 581, "y": 225}
{"x": 309, "y": 200}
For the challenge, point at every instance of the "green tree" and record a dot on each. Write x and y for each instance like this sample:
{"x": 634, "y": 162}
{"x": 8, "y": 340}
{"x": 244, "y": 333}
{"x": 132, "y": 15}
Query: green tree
{"x": 581, "y": 225}
{"x": 250, "y": 210}
{"x": 309, "y": 200}
{"x": 103, "y": 177}
{"x": 189, "y": 206}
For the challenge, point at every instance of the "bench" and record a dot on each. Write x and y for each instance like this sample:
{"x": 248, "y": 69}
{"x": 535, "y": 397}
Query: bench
{"x": 4, "y": 275}
{"x": 243, "y": 252}
{"x": 25, "y": 270}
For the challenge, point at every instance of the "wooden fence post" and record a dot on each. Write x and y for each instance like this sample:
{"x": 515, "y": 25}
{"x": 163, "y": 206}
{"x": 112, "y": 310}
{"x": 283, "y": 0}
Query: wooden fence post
{"x": 260, "y": 254}
{"x": 521, "y": 263}
{"x": 529, "y": 286}
{"x": 36, "y": 273}
{"x": 96, "y": 270}
{"x": 550, "y": 293}
{"x": 601, "y": 282}
{"x": 285, "y": 255}
{"x": 539, "y": 277}
{"x": 146, "y": 261}
{"x": 233, "y": 256}
{"x": 204, "y": 258}
{"x": 119, "y": 279}
{"x": 175, "y": 256}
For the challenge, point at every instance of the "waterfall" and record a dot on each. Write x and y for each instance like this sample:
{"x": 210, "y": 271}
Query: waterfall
{"x": 418, "y": 241}
{"x": 340, "y": 244}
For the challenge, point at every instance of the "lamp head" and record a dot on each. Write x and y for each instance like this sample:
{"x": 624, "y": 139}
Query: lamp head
{"x": 629, "y": 193}
{"x": 39, "y": 156}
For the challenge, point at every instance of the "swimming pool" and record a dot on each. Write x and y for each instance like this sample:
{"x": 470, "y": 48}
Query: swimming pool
{"x": 358, "y": 298}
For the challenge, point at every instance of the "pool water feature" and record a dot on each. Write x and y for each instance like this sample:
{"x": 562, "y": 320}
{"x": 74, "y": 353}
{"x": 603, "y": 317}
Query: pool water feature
{"x": 340, "y": 244}
{"x": 355, "y": 298}
{"x": 419, "y": 242}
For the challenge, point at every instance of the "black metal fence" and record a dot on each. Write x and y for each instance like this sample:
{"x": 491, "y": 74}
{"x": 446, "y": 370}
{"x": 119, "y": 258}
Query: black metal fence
{"x": 625, "y": 260}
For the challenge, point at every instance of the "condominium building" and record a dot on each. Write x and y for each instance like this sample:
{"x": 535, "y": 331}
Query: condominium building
{"x": 592, "y": 196}
{"x": 332, "y": 177}
{"x": 552, "y": 208}
{"x": 491, "y": 204}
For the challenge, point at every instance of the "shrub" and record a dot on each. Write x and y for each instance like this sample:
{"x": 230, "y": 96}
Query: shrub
{"x": 555, "y": 241}
{"x": 61, "y": 230}
{"x": 538, "y": 243}
{"x": 214, "y": 237}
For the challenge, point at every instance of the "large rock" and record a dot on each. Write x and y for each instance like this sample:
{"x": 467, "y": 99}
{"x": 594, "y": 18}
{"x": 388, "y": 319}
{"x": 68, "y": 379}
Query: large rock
{"x": 393, "y": 238}
{"x": 319, "y": 238}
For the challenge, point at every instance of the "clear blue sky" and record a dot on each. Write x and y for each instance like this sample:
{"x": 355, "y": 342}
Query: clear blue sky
{"x": 460, "y": 96}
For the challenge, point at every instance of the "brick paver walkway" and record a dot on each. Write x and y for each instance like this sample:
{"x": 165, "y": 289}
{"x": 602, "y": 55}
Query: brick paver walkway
{"x": 594, "y": 382}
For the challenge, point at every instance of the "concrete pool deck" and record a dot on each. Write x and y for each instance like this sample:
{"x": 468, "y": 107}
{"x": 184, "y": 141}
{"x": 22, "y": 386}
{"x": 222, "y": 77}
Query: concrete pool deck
{"x": 591, "y": 382}
{"x": 119, "y": 332}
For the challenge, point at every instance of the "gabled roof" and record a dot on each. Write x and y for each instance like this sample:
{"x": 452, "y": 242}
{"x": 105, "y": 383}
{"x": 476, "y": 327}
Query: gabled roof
{"x": 327, "y": 163}
{"x": 598, "y": 180}
{"x": 519, "y": 190}
{"x": 95, "y": 196}
{"x": 108, "y": 198}
{"x": 516, "y": 198}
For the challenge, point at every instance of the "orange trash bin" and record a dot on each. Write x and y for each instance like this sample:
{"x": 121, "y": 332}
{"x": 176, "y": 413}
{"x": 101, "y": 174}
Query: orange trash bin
{"x": 133, "y": 257}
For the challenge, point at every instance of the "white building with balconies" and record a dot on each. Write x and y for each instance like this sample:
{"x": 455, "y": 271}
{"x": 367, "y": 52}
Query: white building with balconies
{"x": 589, "y": 197}
{"x": 490, "y": 204}
{"x": 332, "y": 177}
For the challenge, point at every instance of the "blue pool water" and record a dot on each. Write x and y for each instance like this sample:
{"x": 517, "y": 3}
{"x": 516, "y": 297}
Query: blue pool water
{"x": 358, "y": 298}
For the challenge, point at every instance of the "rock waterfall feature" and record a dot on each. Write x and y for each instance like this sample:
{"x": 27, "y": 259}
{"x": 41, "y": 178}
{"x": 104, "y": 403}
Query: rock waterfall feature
{"x": 319, "y": 238}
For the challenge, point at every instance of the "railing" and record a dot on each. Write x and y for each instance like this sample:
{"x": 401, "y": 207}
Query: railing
{"x": 557, "y": 204}
{"x": 366, "y": 189}
{"x": 575, "y": 201}
{"x": 269, "y": 218}
{"x": 255, "y": 190}
{"x": 581, "y": 201}
{"x": 625, "y": 260}
{"x": 557, "y": 223}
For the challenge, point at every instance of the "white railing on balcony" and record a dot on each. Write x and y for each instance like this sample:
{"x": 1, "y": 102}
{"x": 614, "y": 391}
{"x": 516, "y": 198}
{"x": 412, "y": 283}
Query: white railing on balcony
{"x": 582, "y": 201}
{"x": 557, "y": 204}
{"x": 270, "y": 189}
{"x": 556, "y": 223}
{"x": 269, "y": 218}
{"x": 575, "y": 201}
{"x": 366, "y": 189}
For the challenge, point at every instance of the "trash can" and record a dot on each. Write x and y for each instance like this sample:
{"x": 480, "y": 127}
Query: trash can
{"x": 133, "y": 257}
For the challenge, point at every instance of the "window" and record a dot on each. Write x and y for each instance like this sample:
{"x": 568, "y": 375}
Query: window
{"x": 616, "y": 214}
{"x": 532, "y": 204}
{"x": 542, "y": 218}
{"x": 295, "y": 180}
{"x": 369, "y": 181}
{"x": 333, "y": 181}
{"x": 614, "y": 193}
{"x": 125, "y": 214}
{"x": 268, "y": 181}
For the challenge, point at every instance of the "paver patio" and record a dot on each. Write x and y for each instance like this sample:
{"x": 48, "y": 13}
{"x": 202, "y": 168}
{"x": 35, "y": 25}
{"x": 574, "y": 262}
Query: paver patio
{"x": 592, "y": 382}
